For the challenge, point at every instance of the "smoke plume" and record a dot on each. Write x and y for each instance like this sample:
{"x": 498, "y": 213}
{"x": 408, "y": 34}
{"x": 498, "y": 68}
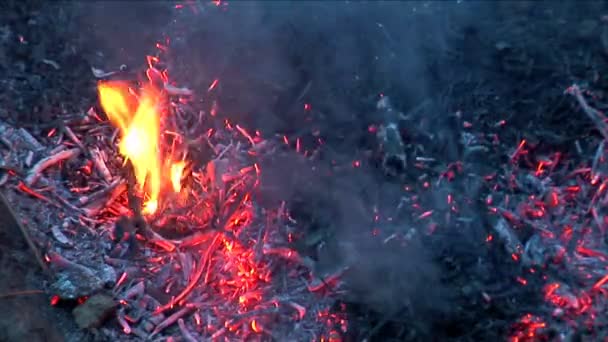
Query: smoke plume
{"x": 315, "y": 70}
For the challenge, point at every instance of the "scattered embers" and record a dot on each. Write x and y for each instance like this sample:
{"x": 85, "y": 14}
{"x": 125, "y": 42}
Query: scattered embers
{"x": 552, "y": 222}
{"x": 202, "y": 264}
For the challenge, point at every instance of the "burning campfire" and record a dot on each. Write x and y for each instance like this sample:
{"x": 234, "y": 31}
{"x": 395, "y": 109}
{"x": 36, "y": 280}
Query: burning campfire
{"x": 149, "y": 218}
{"x": 175, "y": 245}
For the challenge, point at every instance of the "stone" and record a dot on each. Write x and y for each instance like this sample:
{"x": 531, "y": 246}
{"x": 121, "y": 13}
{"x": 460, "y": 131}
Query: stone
{"x": 94, "y": 312}
{"x": 76, "y": 282}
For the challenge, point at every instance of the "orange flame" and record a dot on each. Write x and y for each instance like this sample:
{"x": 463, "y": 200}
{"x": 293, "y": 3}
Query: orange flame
{"x": 140, "y": 134}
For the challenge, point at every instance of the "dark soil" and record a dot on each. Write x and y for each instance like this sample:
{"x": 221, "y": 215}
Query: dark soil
{"x": 511, "y": 63}
{"x": 26, "y": 312}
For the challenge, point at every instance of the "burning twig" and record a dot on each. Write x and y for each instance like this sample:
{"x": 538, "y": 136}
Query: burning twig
{"x": 195, "y": 278}
{"x": 299, "y": 308}
{"x": 319, "y": 283}
{"x": 94, "y": 153}
{"x": 173, "y": 90}
{"x": 68, "y": 131}
{"x": 217, "y": 334}
{"x": 63, "y": 263}
{"x": 47, "y": 162}
{"x": 100, "y": 164}
{"x": 117, "y": 186}
{"x": 27, "y": 190}
{"x": 126, "y": 328}
{"x": 170, "y": 320}
{"x": 239, "y": 318}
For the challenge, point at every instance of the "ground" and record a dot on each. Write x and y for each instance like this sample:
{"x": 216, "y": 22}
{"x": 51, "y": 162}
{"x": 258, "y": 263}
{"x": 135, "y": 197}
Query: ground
{"x": 27, "y": 314}
{"x": 512, "y": 62}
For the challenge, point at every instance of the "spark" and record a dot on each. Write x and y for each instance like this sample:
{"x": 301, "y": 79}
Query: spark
{"x": 213, "y": 85}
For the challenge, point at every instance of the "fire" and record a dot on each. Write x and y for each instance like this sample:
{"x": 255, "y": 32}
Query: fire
{"x": 177, "y": 170}
{"x": 140, "y": 136}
